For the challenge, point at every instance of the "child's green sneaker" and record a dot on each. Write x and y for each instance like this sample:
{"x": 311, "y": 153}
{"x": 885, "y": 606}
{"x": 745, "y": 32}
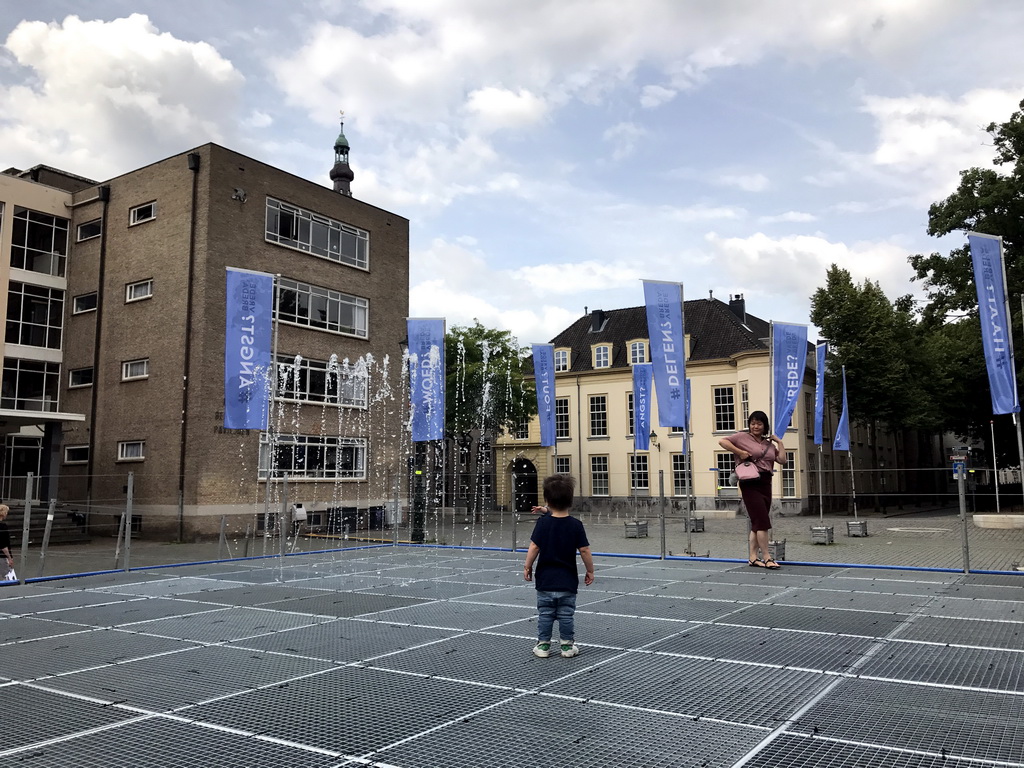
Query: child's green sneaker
{"x": 569, "y": 650}
{"x": 542, "y": 650}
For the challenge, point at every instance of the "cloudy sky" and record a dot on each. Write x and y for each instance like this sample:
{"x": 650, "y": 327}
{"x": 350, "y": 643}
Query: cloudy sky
{"x": 550, "y": 154}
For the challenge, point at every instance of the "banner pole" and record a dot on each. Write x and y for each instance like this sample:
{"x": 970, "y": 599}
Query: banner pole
{"x": 853, "y": 485}
{"x": 995, "y": 468}
{"x": 821, "y": 487}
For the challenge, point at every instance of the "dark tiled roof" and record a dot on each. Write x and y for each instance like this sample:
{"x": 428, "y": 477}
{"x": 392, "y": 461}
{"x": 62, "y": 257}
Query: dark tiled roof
{"x": 715, "y": 332}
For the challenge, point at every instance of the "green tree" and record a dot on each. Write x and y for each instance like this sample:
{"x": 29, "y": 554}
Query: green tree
{"x": 486, "y": 387}
{"x": 990, "y": 201}
{"x": 880, "y": 343}
{"x": 487, "y": 393}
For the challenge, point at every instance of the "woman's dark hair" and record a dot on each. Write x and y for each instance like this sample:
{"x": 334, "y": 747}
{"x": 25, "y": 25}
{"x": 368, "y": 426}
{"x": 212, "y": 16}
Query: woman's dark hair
{"x": 762, "y": 417}
{"x": 558, "y": 491}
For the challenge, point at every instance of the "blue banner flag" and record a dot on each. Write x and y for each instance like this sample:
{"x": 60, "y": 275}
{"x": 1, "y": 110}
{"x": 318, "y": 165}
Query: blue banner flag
{"x": 642, "y": 376}
{"x": 426, "y": 377}
{"x": 247, "y": 369}
{"x": 990, "y": 280}
{"x": 789, "y": 359}
{"x": 544, "y": 377}
{"x": 842, "y": 441}
{"x": 664, "y": 303}
{"x": 820, "y": 353}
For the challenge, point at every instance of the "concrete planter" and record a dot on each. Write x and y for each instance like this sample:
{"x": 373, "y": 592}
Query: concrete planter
{"x": 999, "y": 521}
{"x": 777, "y": 550}
{"x": 856, "y": 527}
{"x": 636, "y": 529}
{"x": 695, "y": 524}
{"x": 822, "y": 534}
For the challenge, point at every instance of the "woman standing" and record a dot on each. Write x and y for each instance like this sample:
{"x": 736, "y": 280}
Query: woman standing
{"x": 763, "y": 450}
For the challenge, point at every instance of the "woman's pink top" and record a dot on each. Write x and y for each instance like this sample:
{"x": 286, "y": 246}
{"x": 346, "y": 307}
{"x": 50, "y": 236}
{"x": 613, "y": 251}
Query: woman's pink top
{"x": 749, "y": 443}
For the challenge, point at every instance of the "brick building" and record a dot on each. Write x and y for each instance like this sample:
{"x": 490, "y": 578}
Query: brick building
{"x": 114, "y": 356}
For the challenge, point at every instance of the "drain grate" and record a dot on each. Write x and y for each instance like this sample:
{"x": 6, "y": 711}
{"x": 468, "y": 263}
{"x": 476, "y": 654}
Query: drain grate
{"x": 198, "y": 674}
{"x": 539, "y": 731}
{"x": 936, "y": 720}
{"x": 696, "y": 688}
{"x": 794, "y": 752}
{"x": 825, "y": 620}
{"x": 834, "y": 653}
{"x": 352, "y": 710}
{"x": 677, "y": 608}
{"x": 38, "y": 715}
{"x": 159, "y": 743}
{"x": 988, "y": 634}
{"x": 973, "y": 667}
{"x": 460, "y": 615}
{"x": 69, "y": 653}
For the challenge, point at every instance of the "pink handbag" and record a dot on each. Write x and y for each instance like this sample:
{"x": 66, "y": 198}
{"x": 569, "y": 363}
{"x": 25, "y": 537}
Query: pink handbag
{"x": 747, "y": 471}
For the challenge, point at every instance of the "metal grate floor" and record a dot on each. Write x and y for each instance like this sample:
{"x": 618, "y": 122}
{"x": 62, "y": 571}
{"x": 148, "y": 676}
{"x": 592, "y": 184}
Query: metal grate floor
{"x": 410, "y": 657}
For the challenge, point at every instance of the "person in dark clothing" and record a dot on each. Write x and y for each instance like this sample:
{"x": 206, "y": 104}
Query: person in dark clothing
{"x": 5, "y": 536}
{"x": 556, "y": 538}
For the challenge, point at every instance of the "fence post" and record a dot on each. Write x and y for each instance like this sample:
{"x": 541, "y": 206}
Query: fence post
{"x": 23, "y": 554}
{"x": 284, "y": 519}
{"x": 661, "y": 492}
{"x": 46, "y": 535}
{"x": 128, "y": 522}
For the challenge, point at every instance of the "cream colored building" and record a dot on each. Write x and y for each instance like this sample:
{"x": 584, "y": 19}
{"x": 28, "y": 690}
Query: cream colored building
{"x": 728, "y": 364}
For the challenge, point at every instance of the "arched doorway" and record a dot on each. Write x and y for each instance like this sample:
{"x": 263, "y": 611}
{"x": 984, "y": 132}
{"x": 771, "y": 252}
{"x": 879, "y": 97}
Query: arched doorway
{"x": 524, "y": 485}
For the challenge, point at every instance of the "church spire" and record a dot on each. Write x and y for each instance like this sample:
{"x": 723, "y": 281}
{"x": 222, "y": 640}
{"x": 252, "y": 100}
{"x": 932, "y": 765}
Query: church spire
{"x": 341, "y": 174}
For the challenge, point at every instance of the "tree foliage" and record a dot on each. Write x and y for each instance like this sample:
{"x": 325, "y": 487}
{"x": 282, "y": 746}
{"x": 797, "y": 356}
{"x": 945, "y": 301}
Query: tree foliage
{"x": 486, "y": 388}
{"x": 989, "y": 201}
{"x": 880, "y": 343}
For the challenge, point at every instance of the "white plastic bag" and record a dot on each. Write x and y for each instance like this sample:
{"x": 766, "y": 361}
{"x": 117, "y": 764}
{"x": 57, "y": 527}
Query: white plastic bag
{"x": 11, "y": 575}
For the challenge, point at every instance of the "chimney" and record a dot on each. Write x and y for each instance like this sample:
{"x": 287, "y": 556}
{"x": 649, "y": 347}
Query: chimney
{"x": 738, "y": 305}
{"x": 597, "y": 320}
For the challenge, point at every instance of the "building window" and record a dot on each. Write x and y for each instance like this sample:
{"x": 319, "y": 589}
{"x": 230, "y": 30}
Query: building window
{"x": 317, "y": 381}
{"x": 142, "y": 213}
{"x": 726, "y": 463}
{"x": 522, "y": 431}
{"x": 725, "y": 410}
{"x": 562, "y": 418}
{"x": 809, "y": 414}
{"x": 561, "y": 360}
{"x": 599, "y": 475}
{"x": 563, "y": 465}
{"x": 744, "y": 403}
{"x": 90, "y": 229}
{"x": 601, "y": 356}
{"x": 138, "y": 291}
{"x": 318, "y": 235}
{"x": 637, "y": 353}
{"x": 76, "y": 454}
{"x": 310, "y": 305}
{"x": 638, "y": 472}
{"x": 629, "y": 413}
{"x": 598, "y": 416}
{"x": 313, "y": 457}
{"x": 135, "y": 369}
{"x": 680, "y": 475}
{"x": 39, "y": 242}
{"x": 30, "y": 385}
{"x": 676, "y": 430}
{"x": 789, "y": 475}
{"x": 131, "y": 450}
{"x": 35, "y": 315}
{"x": 85, "y": 303}
{"x": 80, "y": 377}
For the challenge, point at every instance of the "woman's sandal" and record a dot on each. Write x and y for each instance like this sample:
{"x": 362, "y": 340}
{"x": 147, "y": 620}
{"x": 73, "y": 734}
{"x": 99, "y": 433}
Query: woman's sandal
{"x": 771, "y": 565}
{"x": 757, "y": 563}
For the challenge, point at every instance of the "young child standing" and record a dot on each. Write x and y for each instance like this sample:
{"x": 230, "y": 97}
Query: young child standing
{"x": 553, "y": 545}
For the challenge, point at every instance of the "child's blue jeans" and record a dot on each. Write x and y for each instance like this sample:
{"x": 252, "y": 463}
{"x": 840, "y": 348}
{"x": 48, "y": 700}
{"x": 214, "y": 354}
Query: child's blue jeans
{"x": 555, "y": 605}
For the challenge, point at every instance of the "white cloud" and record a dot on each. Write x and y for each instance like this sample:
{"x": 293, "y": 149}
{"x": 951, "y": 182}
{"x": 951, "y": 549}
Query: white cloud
{"x": 796, "y": 217}
{"x": 748, "y": 182}
{"x": 623, "y": 137}
{"x": 117, "y": 84}
{"x": 497, "y": 108}
{"x": 655, "y": 95}
{"x": 782, "y": 273}
{"x": 574, "y": 278}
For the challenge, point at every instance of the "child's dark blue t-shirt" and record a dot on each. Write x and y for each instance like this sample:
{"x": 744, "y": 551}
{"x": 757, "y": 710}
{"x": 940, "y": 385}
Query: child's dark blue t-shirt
{"x": 558, "y": 539}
